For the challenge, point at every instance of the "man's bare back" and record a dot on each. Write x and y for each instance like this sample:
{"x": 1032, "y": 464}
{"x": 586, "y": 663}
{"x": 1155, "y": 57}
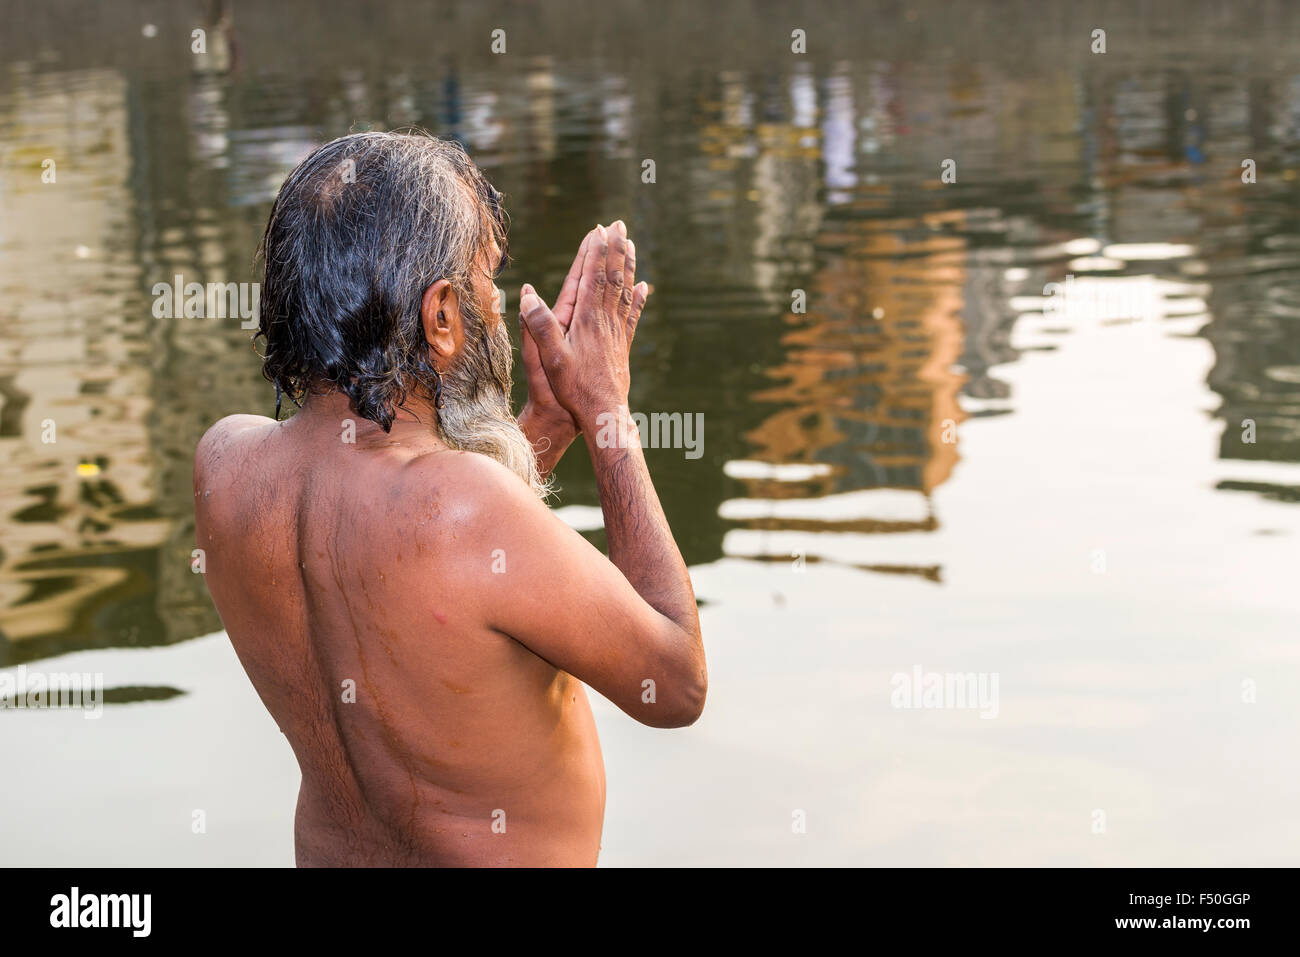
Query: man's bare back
{"x": 346, "y": 572}
{"x": 419, "y": 623}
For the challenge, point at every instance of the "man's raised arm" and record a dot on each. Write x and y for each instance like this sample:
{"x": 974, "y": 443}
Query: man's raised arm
{"x": 626, "y": 625}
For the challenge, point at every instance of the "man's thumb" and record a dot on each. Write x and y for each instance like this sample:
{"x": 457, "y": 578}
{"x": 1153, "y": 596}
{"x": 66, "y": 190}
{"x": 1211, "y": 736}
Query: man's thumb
{"x": 540, "y": 321}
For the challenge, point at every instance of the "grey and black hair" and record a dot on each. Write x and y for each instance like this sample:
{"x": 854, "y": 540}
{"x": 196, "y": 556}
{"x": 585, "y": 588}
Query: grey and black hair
{"x": 357, "y": 233}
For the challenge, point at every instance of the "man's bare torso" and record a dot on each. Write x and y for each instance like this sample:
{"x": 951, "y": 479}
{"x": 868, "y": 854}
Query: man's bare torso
{"x": 424, "y": 735}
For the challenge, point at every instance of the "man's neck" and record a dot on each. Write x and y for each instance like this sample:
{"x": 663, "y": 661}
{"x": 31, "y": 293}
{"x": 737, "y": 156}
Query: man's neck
{"x": 416, "y": 417}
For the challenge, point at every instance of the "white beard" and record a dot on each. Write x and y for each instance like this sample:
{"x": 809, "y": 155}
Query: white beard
{"x": 475, "y": 415}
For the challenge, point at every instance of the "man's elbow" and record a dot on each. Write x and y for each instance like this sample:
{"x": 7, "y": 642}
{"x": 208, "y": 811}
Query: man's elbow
{"x": 689, "y": 711}
{"x": 686, "y": 698}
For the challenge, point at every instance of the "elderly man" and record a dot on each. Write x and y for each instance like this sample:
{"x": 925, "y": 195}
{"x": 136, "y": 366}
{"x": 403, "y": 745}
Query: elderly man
{"x": 414, "y": 617}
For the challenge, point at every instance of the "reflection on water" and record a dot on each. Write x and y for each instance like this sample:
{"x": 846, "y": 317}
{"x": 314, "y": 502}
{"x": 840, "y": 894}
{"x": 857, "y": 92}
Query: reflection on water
{"x": 868, "y": 394}
{"x": 841, "y": 316}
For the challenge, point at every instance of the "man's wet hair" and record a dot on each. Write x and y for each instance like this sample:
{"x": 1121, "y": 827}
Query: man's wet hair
{"x": 359, "y": 230}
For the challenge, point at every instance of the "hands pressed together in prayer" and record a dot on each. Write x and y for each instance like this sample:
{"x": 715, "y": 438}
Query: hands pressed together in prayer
{"x": 576, "y": 354}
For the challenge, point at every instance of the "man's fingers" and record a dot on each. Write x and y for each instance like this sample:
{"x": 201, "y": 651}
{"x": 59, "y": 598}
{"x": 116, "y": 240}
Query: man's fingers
{"x": 591, "y": 286}
{"x": 640, "y": 293}
{"x": 568, "y": 296}
{"x": 629, "y": 265}
{"x": 618, "y": 298}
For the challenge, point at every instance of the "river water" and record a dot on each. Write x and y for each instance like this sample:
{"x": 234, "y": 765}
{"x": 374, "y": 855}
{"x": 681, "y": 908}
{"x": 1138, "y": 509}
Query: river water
{"x": 994, "y": 340}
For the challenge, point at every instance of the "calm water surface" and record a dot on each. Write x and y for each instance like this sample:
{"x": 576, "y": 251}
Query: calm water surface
{"x": 1041, "y": 422}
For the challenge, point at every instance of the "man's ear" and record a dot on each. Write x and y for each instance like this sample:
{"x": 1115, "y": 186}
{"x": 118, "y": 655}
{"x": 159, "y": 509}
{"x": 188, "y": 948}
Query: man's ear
{"x": 440, "y": 318}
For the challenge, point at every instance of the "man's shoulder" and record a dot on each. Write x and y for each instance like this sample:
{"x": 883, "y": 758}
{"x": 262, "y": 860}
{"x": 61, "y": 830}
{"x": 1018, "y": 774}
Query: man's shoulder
{"x": 470, "y": 503}
{"x": 466, "y": 513}
{"x": 465, "y": 487}
{"x": 223, "y": 437}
